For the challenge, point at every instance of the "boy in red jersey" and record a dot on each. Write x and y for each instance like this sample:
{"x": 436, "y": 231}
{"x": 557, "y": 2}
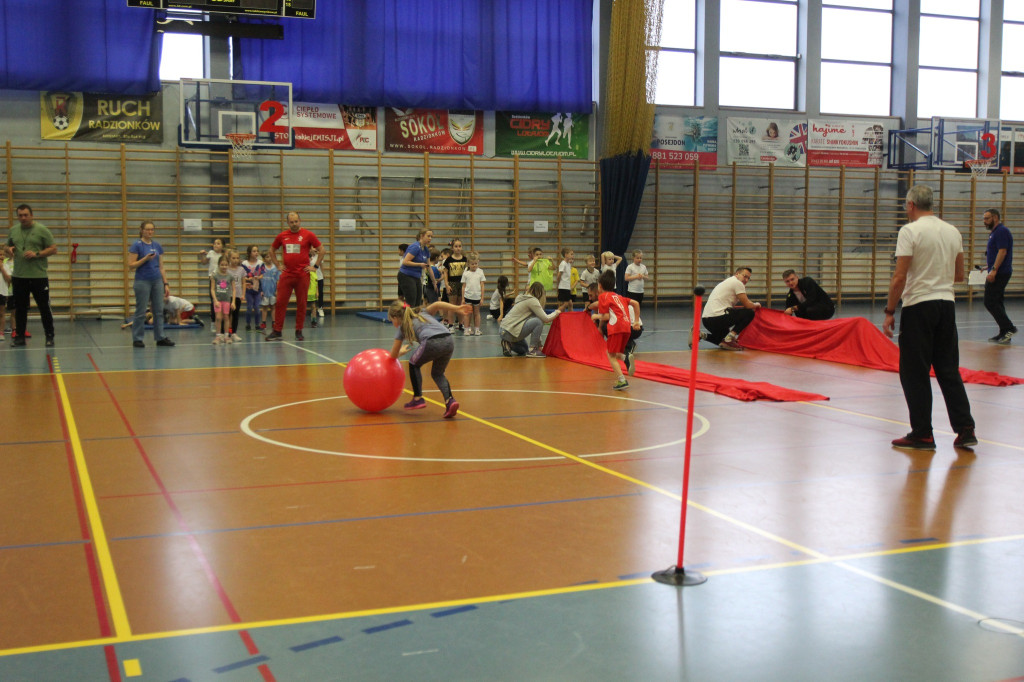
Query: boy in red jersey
{"x": 615, "y": 310}
{"x": 295, "y": 243}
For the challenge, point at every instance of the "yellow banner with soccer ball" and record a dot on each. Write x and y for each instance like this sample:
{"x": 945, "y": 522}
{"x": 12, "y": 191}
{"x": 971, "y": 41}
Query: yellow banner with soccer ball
{"x": 101, "y": 118}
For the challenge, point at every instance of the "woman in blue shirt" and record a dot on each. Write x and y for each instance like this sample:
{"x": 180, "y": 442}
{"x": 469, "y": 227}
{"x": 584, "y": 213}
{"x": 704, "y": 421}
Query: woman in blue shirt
{"x": 145, "y": 258}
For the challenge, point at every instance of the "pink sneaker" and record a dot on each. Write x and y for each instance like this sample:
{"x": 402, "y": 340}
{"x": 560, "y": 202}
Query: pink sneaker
{"x": 417, "y": 403}
{"x": 452, "y": 408}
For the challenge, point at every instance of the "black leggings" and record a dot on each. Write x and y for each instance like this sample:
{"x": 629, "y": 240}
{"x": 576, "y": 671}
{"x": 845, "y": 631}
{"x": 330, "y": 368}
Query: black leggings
{"x": 438, "y": 352}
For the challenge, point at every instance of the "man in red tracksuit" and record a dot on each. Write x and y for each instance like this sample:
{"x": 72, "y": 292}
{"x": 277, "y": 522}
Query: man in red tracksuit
{"x": 295, "y": 244}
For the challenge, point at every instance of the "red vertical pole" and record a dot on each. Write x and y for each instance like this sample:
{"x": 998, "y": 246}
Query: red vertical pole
{"x": 694, "y": 340}
{"x": 676, "y": 575}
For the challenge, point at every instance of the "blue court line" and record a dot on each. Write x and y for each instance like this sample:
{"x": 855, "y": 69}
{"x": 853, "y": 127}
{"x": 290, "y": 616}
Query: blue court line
{"x": 387, "y": 626}
{"x": 300, "y": 524}
{"x": 255, "y": 660}
{"x": 910, "y": 541}
{"x": 634, "y": 576}
{"x": 45, "y": 544}
{"x": 298, "y": 648}
{"x": 452, "y": 612}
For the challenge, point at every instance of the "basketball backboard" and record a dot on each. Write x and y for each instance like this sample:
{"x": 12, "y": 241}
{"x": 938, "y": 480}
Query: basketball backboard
{"x": 958, "y": 140}
{"x": 211, "y": 109}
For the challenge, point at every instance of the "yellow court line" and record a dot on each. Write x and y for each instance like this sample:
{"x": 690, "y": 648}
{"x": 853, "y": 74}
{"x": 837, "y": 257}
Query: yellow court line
{"x": 894, "y": 421}
{"x": 348, "y": 615}
{"x": 99, "y": 536}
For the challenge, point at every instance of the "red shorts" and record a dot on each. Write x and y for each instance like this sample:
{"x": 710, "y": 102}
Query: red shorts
{"x": 616, "y": 343}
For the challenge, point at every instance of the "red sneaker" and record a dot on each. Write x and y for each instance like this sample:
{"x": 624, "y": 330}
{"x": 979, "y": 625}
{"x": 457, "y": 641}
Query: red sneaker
{"x": 912, "y": 442}
{"x": 452, "y": 408}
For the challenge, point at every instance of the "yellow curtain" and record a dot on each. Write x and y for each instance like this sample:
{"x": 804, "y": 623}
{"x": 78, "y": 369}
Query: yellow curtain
{"x": 628, "y": 115}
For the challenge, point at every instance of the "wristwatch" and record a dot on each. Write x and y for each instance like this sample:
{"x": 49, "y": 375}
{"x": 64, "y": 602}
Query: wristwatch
{"x": 889, "y": 312}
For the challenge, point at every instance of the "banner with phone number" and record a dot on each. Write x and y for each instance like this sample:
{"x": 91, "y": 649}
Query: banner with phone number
{"x": 679, "y": 141}
{"x": 439, "y": 131}
{"x": 849, "y": 142}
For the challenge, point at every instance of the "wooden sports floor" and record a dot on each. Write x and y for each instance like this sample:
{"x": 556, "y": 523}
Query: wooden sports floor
{"x": 225, "y": 513}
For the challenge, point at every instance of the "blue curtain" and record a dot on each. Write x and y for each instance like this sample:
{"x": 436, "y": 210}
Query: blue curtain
{"x": 521, "y": 55}
{"x": 623, "y": 179}
{"x": 100, "y": 46}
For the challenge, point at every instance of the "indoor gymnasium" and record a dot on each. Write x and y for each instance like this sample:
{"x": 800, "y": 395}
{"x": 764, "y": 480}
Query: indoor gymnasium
{"x": 512, "y": 340}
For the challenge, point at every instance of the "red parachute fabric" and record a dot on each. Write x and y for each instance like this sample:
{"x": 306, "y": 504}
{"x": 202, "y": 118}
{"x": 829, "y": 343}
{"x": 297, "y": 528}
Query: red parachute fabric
{"x": 575, "y": 337}
{"x": 849, "y": 340}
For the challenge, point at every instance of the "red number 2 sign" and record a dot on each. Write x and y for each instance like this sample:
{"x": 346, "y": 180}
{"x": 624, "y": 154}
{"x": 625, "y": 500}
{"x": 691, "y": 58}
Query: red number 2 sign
{"x": 276, "y": 111}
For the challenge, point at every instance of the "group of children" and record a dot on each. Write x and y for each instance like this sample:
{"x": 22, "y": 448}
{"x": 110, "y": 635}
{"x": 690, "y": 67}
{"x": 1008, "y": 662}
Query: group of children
{"x": 460, "y": 280}
{"x": 234, "y": 280}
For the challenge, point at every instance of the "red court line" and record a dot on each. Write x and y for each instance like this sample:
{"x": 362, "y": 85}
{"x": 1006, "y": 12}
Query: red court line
{"x": 99, "y": 599}
{"x": 204, "y": 562}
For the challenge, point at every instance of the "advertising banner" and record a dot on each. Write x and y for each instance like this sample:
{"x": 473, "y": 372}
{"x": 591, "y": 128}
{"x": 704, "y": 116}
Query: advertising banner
{"x": 333, "y": 126}
{"x": 837, "y": 142}
{"x": 681, "y": 140}
{"x": 101, "y": 118}
{"x": 541, "y": 134}
{"x": 439, "y": 131}
{"x": 763, "y": 141}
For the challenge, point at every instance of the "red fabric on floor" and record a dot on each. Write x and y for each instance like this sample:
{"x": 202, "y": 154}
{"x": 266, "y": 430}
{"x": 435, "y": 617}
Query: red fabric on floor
{"x": 849, "y": 340}
{"x": 575, "y": 337}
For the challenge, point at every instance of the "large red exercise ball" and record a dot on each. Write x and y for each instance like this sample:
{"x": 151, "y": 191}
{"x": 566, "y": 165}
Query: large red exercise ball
{"x": 373, "y": 381}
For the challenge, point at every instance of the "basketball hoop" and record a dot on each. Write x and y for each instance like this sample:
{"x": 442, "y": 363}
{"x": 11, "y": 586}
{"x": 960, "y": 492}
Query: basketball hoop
{"x": 980, "y": 167}
{"x": 241, "y": 145}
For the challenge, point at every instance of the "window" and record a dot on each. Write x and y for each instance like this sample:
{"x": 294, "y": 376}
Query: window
{"x": 1011, "y": 90}
{"x": 856, "y": 57}
{"x": 181, "y": 57}
{"x": 948, "y": 78}
{"x": 677, "y": 58}
{"x": 758, "y": 66}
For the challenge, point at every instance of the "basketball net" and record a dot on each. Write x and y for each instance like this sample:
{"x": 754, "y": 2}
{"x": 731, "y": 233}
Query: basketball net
{"x": 241, "y": 145}
{"x": 980, "y": 167}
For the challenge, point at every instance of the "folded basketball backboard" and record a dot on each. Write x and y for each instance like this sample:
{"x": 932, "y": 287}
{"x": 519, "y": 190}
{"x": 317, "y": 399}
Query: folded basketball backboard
{"x": 214, "y": 109}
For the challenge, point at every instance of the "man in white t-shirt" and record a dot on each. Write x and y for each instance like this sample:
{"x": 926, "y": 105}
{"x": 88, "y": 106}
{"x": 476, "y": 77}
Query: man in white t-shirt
{"x": 929, "y": 260}
{"x": 728, "y": 311}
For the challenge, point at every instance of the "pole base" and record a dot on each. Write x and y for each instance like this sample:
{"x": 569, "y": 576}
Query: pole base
{"x": 679, "y": 577}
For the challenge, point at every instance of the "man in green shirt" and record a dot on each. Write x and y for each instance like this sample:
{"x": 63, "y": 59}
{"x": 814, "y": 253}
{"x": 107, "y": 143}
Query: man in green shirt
{"x": 33, "y": 245}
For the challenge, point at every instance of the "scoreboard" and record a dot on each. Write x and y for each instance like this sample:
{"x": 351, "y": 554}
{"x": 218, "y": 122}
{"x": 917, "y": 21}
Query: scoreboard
{"x": 304, "y": 9}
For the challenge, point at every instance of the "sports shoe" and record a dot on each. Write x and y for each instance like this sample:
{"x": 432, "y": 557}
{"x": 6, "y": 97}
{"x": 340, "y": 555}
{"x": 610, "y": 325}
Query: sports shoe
{"x": 299, "y": 336}
{"x": 1, "y": 336}
{"x": 319, "y": 313}
{"x": 138, "y": 344}
{"x": 17, "y": 341}
{"x": 535, "y": 353}
{"x": 314, "y": 323}
{"x": 912, "y": 442}
{"x": 467, "y": 332}
{"x": 274, "y": 336}
{"x": 263, "y": 325}
{"x": 477, "y": 332}
{"x": 166, "y": 342}
{"x": 248, "y": 327}
{"x": 506, "y": 349}
{"x": 451, "y": 408}
{"x": 630, "y": 363}
{"x": 49, "y": 342}
{"x": 730, "y": 345}
{"x": 235, "y": 337}
{"x": 417, "y": 403}
{"x": 965, "y": 439}
{"x": 689, "y": 339}
{"x": 995, "y": 339}
{"x": 218, "y": 339}
{"x": 621, "y": 385}
{"x": 228, "y": 339}
{"x": 1004, "y": 340}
